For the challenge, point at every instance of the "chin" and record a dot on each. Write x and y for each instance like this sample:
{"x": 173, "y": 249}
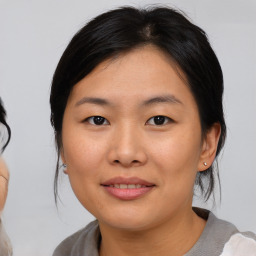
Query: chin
{"x": 128, "y": 220}
{"x": 131, "y": 225}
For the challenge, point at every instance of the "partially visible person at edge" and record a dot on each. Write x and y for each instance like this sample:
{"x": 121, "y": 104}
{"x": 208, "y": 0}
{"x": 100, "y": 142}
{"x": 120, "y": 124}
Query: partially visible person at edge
{"x": 5, "y": 246}
{"x": 136, "y": 105}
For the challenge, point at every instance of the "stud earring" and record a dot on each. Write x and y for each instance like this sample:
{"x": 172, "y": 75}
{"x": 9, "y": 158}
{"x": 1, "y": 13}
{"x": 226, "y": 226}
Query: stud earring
{"x": 205, "y": 164}
{"x": 64, "y": 166}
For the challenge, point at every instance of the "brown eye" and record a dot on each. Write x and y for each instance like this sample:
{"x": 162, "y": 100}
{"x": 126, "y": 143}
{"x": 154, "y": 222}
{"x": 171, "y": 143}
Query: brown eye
{"x": 158, "y": 120}
{"x": 97, "y": 120}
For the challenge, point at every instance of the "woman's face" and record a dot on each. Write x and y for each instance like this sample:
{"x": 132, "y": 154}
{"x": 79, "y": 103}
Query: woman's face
{"x": 133, "y": 121}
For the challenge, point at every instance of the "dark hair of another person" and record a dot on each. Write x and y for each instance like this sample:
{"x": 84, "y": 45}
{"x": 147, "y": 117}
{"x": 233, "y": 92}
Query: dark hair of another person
{"x": 2, "y": 121}
{"x": 121, "y": 30}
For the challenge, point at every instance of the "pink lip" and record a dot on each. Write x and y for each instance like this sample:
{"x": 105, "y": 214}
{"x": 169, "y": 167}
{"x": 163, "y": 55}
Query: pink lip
{"x": 129, "y": 193}
{"x": 131, "y": 180}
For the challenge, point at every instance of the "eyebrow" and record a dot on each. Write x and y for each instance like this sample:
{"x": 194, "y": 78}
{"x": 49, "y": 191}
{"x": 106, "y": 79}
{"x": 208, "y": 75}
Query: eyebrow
{"x": 158, "y": 99}
{"x": 162, "y": 99}
{"x": 92, "y": 100}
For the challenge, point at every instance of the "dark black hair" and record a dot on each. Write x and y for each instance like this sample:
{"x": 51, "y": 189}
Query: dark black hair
{"x": 123, "y": 29}
{"x": 3, "y": 121}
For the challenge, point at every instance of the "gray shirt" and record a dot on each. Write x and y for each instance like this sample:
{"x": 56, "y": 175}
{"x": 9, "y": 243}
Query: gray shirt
{"x": 219, "y": 238}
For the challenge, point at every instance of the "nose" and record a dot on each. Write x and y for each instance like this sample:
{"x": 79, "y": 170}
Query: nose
{"x": 126, "y": 148}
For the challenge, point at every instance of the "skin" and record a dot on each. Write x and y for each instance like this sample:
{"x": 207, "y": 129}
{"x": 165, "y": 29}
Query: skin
{"x": 130, "y": 144}
{"x": 4, "y": 177}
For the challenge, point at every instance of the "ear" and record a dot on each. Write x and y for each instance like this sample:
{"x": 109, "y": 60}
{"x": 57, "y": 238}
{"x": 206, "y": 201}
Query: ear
{"x": 63, "y": 160}
{"x": 209, "y": 147}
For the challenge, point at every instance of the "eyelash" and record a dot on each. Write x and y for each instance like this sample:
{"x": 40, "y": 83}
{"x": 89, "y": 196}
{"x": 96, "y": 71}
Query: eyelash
{"x": 166, "y": 120}
{"x": 104, "y": 121}
{"x": 93, "y": 118}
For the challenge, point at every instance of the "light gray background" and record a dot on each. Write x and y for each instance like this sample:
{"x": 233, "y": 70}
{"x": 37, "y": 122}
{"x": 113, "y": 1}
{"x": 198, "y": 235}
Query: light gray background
{"x": 33, "y": 35}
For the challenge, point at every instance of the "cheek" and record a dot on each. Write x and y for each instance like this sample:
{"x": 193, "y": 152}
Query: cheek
{"x": 176, "y": 158}
{"x": 179, "y": 150}
{"x": 83, "y": 154}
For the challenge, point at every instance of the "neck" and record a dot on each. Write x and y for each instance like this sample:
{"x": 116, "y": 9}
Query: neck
{"x": 173, "y": 237}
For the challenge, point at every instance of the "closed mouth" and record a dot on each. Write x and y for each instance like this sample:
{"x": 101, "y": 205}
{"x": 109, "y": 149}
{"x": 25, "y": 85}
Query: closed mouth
{"x": 127, "y": 183}
{"x": 127, "y": 186}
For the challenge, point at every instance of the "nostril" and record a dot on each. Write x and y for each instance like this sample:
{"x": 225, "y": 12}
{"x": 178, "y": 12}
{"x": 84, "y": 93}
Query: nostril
{"x": 126, "y": 163}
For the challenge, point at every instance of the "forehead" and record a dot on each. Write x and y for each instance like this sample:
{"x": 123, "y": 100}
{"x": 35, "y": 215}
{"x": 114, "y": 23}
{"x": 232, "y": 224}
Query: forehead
{"x": 141, "y": 73}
